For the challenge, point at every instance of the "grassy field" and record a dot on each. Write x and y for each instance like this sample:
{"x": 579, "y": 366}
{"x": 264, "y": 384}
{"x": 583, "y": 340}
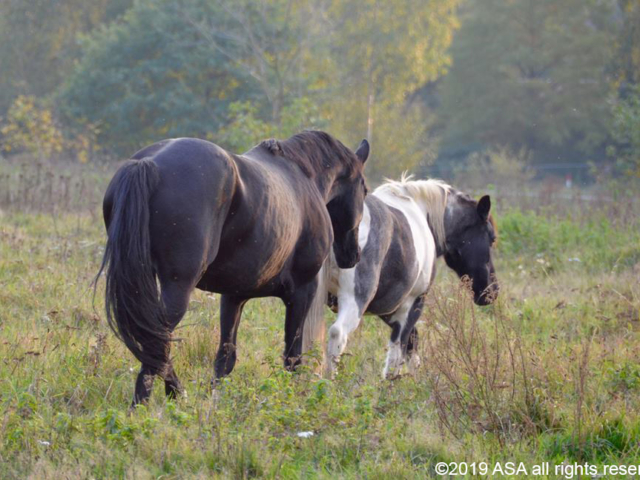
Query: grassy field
{"x": 551, "y": 373}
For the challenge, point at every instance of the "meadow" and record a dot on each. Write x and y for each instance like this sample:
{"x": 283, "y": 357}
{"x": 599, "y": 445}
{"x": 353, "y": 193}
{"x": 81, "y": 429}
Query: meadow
{"x": 550, "y": 373}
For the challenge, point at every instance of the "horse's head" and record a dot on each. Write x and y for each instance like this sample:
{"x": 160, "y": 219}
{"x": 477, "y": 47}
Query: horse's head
{"x": 346, "y": 206}
{"x": 470, "y": 235}
{"x": 338, "y": 174}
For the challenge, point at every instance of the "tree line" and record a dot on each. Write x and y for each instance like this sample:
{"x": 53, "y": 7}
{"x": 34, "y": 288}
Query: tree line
{"x": 422, "y": 79}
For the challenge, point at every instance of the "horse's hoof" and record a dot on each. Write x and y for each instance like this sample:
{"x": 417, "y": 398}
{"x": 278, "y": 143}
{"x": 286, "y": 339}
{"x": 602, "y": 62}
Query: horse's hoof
{"x": 134, "y": 406}
{"x": 174, "y": 391}
{"x": 331, "y": 368}
{"x": 414, "y": 363}
{"x": 215, "y": 391}
{"x": 393, "y": 376}
{"x": 393, "y": 372}
{"x": 215, "y": 395}
{"x": 330, "y": 373}
{"x": 291, "y": 363}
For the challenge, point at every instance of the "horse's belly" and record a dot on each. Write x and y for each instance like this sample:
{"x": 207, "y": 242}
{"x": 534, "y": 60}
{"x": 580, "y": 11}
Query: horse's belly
{"x": 390, "y": 296}
{"x": 247, "y": 269}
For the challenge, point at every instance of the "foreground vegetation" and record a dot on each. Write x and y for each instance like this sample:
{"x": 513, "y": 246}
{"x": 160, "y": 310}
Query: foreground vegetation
{"x": 550, "y": 373}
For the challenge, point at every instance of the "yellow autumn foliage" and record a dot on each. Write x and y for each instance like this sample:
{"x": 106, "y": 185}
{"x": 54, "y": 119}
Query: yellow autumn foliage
{"x": 31, "y": 127}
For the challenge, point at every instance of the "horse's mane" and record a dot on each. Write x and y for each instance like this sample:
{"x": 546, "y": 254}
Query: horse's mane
{"x": 432, "y": 192}
{"x": 313, "y": 151}
{"x": 494, "y": 225}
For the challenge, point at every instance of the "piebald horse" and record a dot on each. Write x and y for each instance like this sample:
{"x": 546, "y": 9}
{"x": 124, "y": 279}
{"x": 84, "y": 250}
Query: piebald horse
{"x": 185, "y": 213}
{"x": 406, "y": 226}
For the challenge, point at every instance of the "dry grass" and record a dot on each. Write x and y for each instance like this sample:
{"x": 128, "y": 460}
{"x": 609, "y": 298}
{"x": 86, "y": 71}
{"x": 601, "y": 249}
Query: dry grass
{"x": 30, "y": 186}
{"x": 549, "y": 373}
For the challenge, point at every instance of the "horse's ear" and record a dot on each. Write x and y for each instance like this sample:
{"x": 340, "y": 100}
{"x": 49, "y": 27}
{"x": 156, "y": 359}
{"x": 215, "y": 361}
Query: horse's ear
{"x": 363, "y": 151}
{"x": 484, "y": 205}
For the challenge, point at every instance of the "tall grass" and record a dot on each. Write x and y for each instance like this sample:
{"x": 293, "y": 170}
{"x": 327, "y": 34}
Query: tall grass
{"x": 481, "y": 378}
{"x": 549, "y": 373}
{"x": 27, "y": 185}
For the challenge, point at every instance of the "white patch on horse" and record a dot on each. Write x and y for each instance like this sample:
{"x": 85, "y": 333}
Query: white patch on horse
{"x": 420, "y": 232}
{"x": 395, "y": 357}
{"x": 349, "y": 314}
{"x": 394, "y": 360}
{"x": 432, "y": 197}
{"x": 414, "y": 363}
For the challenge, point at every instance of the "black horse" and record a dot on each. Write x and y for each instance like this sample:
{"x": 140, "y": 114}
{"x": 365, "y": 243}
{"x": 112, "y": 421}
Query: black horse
{"x": 185, "y": 214}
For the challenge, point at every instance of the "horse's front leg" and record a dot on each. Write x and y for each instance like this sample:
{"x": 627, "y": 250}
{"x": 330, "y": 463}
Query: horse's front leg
{"x": 353, "y": 297}
{"x": 349, "y": 317}
{"x": 298, "y": 307}
{"x": 230, "y": 313}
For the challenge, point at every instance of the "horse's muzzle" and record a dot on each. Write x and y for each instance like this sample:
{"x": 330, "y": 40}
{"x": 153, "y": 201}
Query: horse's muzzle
{"x": 347, "y": 259}
{"x": 487, "y": 296}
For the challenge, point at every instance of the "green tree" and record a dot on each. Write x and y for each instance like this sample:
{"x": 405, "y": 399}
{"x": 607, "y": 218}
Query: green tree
{"x": 529, "y": 73}
{"x": 175, "y": 68}
{"x": 151, "y": 76}
{"x": 38, "y": 41}
{"x": 230, "y": 70}
{"x": 626, "y": 62}
{"x": 626, "y": 132}
{"x": 245, "y": 127}
{"x": 265, "y": 39}
{"x": 381, "y": 52}
{"x": 625, "y": 148}
{"x": 30, "y": 127}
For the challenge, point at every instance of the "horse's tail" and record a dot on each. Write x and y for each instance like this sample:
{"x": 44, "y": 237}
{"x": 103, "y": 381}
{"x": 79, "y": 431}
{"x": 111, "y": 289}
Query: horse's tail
{"x": 133, "y": 305}
{"x": 313, "y": 334}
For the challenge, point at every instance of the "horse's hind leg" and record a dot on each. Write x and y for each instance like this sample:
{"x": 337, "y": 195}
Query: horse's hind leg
{"x": 145, "y": 380}
{"x": 402, "y": 323}
{"x": 412, "y": 350}
{"x": 409, "y": 336}
{"x": 147, "y": 374}
{"x": 175, "y": 299}
{"x": 144, "y": 385}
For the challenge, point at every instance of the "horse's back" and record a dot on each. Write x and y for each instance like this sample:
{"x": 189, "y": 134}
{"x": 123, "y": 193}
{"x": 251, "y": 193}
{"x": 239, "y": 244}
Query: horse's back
{"x": 188, "y": 160}
{"x": 187, "y": 170}
{"x": 233, "y": 221}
